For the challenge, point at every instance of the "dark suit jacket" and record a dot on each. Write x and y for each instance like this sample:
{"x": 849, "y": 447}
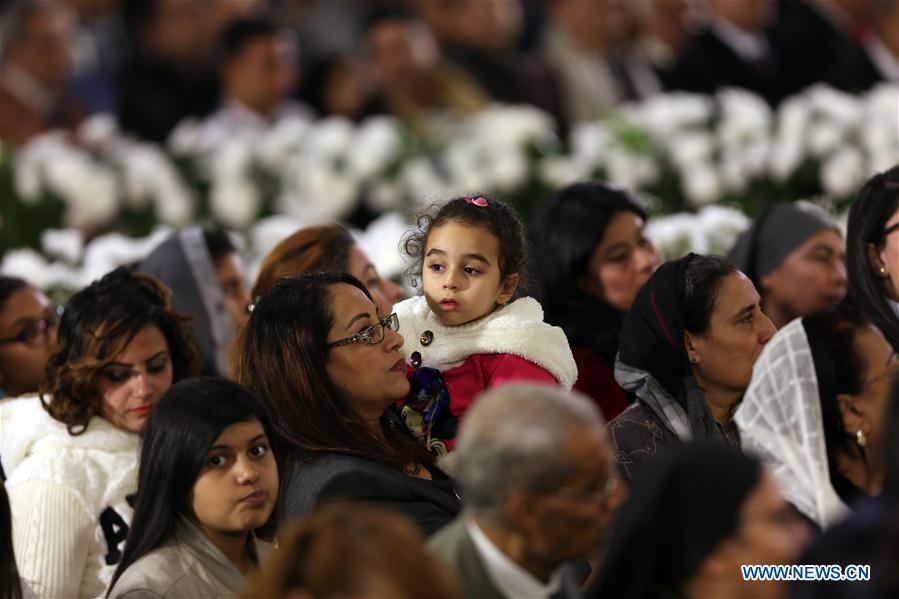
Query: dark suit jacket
{"x": 332, "y": 476}
{"x": 708, "y": 64}
{"x": 454, "y": 546}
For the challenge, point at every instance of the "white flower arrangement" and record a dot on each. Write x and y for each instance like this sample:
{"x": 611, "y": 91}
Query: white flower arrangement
{"x": 687, "y": 151}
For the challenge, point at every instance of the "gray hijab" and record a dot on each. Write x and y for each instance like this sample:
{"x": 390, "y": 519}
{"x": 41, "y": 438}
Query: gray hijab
{"x": 776, "y": 233}
{"x": 184, "y": 264}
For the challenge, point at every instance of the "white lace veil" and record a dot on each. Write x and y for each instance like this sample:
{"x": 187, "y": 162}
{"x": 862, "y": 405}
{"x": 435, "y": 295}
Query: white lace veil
{"x": 780, "y": 422}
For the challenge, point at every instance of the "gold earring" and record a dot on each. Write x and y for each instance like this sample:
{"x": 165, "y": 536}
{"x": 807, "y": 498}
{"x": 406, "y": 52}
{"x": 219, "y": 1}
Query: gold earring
{"x": 883, "y": 270}
{"x": 861, "y": 439}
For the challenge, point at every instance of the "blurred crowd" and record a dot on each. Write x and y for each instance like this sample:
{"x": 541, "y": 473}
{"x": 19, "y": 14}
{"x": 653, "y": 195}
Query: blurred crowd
{"x": 635, "y": 429}
{"x": 240, "y": 64}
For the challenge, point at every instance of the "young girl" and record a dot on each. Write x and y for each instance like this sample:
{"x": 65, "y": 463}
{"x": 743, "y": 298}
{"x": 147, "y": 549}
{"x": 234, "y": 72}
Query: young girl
{"x": 207, "y": 479}
{"x": 471, "y": 256}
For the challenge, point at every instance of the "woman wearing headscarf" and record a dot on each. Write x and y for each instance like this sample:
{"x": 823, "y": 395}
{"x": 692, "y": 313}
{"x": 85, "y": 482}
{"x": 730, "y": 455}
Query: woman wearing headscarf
{"x": 794, "y": 253}
{"x": 695, "y": 515}
{"x": 872, "y": 247}
{"x": 814, "y": 411}
{"x": 206, "y": 275}
{"x": 687, "y": 349}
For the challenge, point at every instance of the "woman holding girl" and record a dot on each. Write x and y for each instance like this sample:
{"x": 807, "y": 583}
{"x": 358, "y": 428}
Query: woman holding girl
{"x": 328, "y": 366}
{"x": 207, "y": 479}
{"x": 71, "y": 453}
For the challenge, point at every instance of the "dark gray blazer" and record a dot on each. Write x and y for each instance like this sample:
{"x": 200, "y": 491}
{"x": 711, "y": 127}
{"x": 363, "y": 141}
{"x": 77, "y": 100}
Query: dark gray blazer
{"x": 333, "y": 476}
{"x": 454, "y": 546}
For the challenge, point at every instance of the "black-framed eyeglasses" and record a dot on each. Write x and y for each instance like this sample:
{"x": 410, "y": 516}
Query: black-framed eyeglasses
{"x": 372, "y": 335}
{"x": 35, "y": 331}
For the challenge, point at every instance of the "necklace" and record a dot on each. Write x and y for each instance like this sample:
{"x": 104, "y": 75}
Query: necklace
{"x": 413, "y": 470}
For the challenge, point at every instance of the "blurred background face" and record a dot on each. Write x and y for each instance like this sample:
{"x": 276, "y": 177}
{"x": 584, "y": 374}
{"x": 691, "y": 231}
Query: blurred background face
{"x": 621, "y": 263}
{"x": 27, "y": 343}
{"x": 811, "y": 278}
{"x": 402, "y": 52}
{"x": 670, "y": 21}
{"x": 384, "y": 291}
{"x": 488, "y": 26}
{"x": 594, "y": 24}
{"x": 572, "y": 523}
{"x": 43, "y": 48}
{"x": 749, "y": 15}
{"x": 229, "y": 269}
{"x": 768, "y": 532}
{"x": 264, "y": 74}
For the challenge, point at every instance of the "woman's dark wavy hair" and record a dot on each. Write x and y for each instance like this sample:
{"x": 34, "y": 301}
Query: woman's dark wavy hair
{"x": 10, "y": 586}
{"x": 98, "y": 323}
{"x": 569, "y": 226}
{"x": 839, "y": 368}
{"x": 496, "y": 217}
{"x": 876, "y": 203}
{"x": 283, "y": 360}
{"x": 181, "y": 429}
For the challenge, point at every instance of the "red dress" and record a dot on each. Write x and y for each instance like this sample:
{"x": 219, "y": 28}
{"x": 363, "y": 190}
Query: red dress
{"x": 597, "y": 380}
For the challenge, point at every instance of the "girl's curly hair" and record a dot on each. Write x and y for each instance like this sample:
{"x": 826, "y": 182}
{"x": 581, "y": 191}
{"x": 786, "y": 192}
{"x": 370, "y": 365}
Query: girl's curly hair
{"x": 97, "y": 325}
{"x": 495, "y": 216}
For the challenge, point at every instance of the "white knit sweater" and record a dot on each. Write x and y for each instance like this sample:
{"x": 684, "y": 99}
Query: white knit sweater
{"x": 68, "y": 498}
{"x": 516, "y": 328}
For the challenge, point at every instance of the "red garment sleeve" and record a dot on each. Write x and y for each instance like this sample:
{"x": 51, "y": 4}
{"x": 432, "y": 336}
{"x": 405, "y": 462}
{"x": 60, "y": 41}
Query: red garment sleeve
{"x": 508, "y": 368}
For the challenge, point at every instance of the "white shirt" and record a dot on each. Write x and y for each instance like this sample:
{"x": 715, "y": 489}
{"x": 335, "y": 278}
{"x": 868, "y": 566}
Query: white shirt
{"x": 234, "y": 120}
{"x": 748, "y": 45}
{"x": 894, "y": 306}
{"x": 512, "y": 580}
{"x": 887, "y": 64}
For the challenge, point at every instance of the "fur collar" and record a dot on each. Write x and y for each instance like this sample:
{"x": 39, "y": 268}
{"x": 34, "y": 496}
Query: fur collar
{"x": 516, "y": 329}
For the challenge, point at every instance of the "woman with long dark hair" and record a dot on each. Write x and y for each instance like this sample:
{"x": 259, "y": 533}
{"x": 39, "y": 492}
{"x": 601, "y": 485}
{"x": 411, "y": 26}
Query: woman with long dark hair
{"x": 70, "y": 453}
{"x": 207, "y": 479}
{"x": 327, "y": 365}
{"x": 592, "y": 257}
{"x": 872, "y": 252}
